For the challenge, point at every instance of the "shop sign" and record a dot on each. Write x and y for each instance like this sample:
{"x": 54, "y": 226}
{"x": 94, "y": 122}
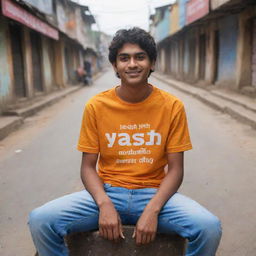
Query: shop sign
{"x": 196, "y": 9}
{"x": 15, "y": 12}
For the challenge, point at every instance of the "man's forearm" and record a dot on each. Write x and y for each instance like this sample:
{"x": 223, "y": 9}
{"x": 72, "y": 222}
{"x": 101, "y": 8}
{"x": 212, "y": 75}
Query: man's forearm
{"x": 94, "y": 186}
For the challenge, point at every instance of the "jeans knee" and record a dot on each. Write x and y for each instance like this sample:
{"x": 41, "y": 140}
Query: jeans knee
{"x": 211, "y": 227}
{"x": 36, "y": 220}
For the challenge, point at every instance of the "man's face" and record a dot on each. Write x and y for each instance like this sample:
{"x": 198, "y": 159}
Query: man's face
{"x": 133, "y": 64}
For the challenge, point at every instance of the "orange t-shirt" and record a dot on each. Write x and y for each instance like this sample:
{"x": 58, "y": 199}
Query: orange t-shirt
{"x": 132, "y": 139}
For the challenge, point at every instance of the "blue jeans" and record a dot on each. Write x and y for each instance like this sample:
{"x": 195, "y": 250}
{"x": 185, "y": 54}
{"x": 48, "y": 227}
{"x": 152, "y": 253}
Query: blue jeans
{"x": 79, "y": 212}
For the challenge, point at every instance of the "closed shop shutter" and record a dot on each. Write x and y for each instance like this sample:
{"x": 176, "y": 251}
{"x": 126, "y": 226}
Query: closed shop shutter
{"x": 68, "y": 59}
{"x": 192, "y": 57}
{"x": 36, "y": 61}
{"x": 202, "y": 56}
{"x": 51, "y": 50}
{"x": 216, "y": 55}
{"x": 18, "y": 61}
{"x": 254, "y": 53}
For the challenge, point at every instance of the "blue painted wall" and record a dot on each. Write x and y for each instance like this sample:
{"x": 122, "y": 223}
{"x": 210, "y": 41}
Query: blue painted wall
{"x": 228, "y": 34}
{"x": 182, "y": 12}
{"x": 163, "y": 27}
{"x": 4, "y": 67}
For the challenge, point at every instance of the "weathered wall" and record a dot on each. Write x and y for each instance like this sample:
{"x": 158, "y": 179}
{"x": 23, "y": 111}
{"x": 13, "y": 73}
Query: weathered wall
{"x": 244, "y": 48}
{"x": 59, "y": 63}
{"x": 161, "y": 60}
{"x": 66, "y": 19}
{"x": 211, "y": 65}
{"x": 186, "y": 56}
{"x": 174, "y": 19}
{"x": 5, "y": 79}
{"x": 189, "y": 56}
{"x": 28, "y": 74}
{"x": 181, "y": 58}
{"x": 46, "y": 65}
{"x": 228, "y": 36}
{"x": 174, "y": 55}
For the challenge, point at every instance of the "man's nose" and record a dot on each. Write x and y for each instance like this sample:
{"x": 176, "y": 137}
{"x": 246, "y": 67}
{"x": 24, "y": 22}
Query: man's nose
{"x": 132, "y": 63}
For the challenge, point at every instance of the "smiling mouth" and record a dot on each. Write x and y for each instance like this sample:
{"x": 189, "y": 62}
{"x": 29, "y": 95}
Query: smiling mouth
{"x": 133, "y": 72}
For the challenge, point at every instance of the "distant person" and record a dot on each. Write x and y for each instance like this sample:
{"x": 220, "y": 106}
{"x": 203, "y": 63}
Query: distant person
{"x": 81, "y": 74}
{"x": 88, "y": 71}
{"x": 135, "y": 129}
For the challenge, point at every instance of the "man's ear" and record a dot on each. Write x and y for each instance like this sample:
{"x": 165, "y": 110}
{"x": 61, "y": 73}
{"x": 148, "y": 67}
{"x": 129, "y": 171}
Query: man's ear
{"x": 114, "y": 66}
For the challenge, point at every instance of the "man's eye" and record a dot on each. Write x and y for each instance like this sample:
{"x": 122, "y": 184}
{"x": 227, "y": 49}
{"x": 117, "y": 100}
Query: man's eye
{"x": 123, "y": 58}
{"x": 140, "y": 57}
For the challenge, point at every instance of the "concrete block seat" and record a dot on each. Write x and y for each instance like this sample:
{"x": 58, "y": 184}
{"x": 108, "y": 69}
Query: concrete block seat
{"x": 91, "y": 244}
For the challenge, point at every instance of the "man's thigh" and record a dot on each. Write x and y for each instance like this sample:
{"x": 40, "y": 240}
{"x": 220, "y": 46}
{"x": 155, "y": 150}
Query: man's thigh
{"x": 71, "y": 213}
{"x": 183, "y": 215}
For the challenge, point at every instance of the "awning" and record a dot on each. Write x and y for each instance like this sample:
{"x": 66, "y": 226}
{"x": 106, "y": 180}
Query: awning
{"x": 15, "y": 12}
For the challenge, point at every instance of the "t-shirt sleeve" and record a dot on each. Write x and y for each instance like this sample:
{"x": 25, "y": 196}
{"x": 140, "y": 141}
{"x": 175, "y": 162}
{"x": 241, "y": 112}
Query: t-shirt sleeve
{"x": 178, "y": 138}
{"x": 88, "y": 139}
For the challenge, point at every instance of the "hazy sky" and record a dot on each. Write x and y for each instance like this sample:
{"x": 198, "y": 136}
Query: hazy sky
{"x": 112, "y": 15}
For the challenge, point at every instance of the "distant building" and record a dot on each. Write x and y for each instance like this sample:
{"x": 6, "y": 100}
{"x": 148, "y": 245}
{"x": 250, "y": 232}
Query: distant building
{"x": 208, "y": 42}
{"x": 42, "y": 43}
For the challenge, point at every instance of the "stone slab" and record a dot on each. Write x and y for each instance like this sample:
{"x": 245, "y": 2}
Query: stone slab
{"x": 91, "y": 244}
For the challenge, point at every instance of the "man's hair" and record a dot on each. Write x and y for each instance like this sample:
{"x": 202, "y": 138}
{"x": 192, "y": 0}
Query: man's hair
{"x": 134, "y": 36}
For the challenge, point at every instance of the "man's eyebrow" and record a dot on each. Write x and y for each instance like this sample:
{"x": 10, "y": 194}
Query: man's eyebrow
{"x": 140, "y": 53}
{"x": 127, "y": 54}
{"x": 123, "y": 54}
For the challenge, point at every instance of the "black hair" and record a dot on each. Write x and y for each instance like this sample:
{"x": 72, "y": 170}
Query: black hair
{"x": 133, "y": 35}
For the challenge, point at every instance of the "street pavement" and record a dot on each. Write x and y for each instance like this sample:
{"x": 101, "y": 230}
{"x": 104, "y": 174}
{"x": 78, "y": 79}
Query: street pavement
{"x": 39, "y": 162}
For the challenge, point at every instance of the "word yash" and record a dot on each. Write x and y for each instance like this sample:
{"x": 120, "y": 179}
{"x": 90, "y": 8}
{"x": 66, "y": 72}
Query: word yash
{"x": 136, "y": 139}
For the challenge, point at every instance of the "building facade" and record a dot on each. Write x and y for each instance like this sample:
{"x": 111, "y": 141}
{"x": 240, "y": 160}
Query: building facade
{"x": 210, "y": 42}
{"x": 42, "y": 43}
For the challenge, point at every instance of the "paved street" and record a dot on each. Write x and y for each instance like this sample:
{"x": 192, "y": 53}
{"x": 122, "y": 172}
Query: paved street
{"x": 40, "y": 162}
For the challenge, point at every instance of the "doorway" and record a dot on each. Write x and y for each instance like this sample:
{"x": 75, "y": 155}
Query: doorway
{"x": 36, "y": 47}
{"x": 18, "y": 60}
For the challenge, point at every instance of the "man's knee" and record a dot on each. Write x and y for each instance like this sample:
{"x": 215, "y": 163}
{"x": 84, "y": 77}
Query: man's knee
{"x": 39, "y": 220}
{"x": 35, "y": 219}
{"x": 210, "y": 227}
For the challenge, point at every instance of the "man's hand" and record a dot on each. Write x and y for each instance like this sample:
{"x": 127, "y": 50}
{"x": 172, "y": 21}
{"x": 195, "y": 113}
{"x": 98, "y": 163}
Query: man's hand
{"x": 110, "y": 226}
{"x": 146, "y": 227}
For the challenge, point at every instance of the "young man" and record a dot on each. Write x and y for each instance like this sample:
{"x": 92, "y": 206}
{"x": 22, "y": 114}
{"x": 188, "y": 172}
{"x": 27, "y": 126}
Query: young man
{"x": 135, "y": 130}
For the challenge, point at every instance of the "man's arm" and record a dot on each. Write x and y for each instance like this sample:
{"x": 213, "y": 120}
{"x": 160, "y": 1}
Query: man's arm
{"x": 146, "y": 227}
{"x": 110, "y": 226}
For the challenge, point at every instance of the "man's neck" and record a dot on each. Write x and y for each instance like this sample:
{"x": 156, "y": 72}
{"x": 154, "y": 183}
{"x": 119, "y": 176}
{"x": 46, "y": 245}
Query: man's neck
{"x": 134, "y": 94}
